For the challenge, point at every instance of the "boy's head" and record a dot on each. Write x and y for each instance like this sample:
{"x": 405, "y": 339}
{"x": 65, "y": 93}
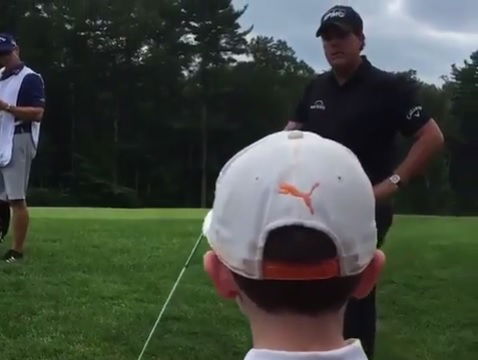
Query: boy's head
{"x": 292, "y": 229}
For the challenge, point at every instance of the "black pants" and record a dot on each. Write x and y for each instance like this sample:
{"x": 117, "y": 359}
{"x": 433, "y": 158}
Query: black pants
{"x": 361, "y": 315}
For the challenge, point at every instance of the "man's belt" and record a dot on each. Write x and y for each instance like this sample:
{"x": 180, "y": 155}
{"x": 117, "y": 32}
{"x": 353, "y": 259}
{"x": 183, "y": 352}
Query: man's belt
{"x": 23, "y": 128}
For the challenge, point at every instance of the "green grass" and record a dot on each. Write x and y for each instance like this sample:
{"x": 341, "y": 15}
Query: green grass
{"x": 94, "y": 280}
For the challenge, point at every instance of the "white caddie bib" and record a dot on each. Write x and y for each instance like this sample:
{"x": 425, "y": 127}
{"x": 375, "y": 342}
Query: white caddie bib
{"x": 9, "y": 90}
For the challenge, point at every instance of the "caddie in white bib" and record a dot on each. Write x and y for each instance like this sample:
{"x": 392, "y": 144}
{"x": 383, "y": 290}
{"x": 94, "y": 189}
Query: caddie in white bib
{"x": 22, "y": 102}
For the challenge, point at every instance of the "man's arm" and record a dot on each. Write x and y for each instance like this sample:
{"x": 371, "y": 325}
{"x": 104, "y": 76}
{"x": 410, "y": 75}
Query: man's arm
{"x": 412, "y": 121}
{"x": 24, "y": 113}
{"x": 31, "y": 100}
{"x": 429, "y": 141}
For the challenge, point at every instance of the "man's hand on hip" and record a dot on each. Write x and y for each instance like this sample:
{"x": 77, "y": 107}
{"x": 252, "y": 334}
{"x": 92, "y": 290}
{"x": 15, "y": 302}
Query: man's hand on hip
{"x": 385, "y": 190}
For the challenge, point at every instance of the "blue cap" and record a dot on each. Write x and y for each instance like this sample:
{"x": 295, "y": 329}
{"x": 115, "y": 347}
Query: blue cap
{"x": 7, "y": 43}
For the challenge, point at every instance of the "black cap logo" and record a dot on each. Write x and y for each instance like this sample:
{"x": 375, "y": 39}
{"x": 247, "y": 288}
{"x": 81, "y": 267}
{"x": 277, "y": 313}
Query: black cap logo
{"x": 334, "y": 13}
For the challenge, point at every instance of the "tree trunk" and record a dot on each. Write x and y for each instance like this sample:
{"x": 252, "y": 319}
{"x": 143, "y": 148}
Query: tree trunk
{"x": 72, "y": 130}
{"x": 149, "y": 189}
{"x": 191, "y": 194}
{"x": 136, "y": 180}
{"x": 204, "y": 156}
{"x": 116, "y": 143}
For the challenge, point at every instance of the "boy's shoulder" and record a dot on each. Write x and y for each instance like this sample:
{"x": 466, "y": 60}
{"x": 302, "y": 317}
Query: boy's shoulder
{"x": 352, "y": 351}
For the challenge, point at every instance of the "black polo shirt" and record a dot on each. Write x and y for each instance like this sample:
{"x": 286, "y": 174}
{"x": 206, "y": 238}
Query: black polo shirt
{"x": 365, "y": 114}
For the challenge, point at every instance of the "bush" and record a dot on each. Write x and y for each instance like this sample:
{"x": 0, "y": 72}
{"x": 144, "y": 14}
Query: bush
{"x": 51, "y": 197}
{"x": 93, "y": 195}
{"x": 104, "y": 194}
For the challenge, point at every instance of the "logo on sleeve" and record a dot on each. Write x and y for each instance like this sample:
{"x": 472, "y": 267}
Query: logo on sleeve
{"x": 415, "y": 113}
{"x": 318, "y": 105}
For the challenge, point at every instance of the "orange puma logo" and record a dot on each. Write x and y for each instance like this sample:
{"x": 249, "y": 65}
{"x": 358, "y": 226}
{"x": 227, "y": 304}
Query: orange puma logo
{"x": 288, "y": 189}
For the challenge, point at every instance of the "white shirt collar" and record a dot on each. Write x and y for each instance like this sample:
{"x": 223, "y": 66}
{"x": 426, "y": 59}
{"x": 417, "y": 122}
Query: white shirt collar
{"x": 353, "y": 351}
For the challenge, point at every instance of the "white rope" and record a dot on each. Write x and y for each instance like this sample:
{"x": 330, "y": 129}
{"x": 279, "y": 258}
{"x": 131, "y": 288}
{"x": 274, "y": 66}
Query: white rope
{"x": 166, "y": 303}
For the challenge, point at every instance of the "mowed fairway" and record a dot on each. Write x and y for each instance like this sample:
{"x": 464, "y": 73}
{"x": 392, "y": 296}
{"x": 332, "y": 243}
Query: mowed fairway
{"x": 94, "y": 280}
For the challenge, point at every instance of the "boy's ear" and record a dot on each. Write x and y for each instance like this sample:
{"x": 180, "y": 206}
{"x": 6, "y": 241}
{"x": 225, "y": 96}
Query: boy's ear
{"x": 370, "y": 276}
{"x": 221, "y": 276}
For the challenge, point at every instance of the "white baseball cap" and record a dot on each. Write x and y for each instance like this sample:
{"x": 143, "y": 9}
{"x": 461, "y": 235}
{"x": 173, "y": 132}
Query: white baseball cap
{"x": 292, "y": 178}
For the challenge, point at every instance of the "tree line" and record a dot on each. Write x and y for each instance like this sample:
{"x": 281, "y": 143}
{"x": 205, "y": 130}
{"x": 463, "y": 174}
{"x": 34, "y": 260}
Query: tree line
{"x": 147, "y": 99}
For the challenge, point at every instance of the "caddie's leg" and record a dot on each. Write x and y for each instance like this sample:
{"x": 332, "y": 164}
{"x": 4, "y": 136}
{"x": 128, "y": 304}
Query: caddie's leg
{"x": 16, "y": 177}
{"x": 21, "y": 220}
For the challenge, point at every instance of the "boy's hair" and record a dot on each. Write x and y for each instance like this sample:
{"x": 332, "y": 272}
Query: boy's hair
{"x": 301, "y": 245}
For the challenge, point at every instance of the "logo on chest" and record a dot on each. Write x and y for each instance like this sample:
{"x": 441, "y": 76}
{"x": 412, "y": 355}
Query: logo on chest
{"x": 318, "y": 105}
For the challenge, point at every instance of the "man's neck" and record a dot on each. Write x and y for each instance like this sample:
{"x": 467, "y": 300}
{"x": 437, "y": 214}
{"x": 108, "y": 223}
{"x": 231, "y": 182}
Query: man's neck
{"x": 12, "y": 64}
{"x": 344, "y": 74}
{"x": 298, "y": 334}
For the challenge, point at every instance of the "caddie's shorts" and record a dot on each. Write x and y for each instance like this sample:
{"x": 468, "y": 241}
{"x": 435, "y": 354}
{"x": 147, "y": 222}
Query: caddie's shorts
{"x": 14, "y": 177}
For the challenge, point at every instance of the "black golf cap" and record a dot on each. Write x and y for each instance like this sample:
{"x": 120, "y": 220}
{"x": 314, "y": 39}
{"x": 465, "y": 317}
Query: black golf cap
{"x": 344, "y": 17}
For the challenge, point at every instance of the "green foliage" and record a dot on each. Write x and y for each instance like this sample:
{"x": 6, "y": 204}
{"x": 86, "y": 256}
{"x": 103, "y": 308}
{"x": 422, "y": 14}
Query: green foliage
{"x": 47, "y": 197}
{"x": 463, "y": 88}
{"x": 147, "y": 99}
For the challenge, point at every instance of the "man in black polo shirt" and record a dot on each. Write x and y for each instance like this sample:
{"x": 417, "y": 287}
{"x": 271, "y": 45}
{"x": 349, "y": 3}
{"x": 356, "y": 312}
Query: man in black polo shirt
{"x": 22, "y": 101}
{"x": 365, "y": 108}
